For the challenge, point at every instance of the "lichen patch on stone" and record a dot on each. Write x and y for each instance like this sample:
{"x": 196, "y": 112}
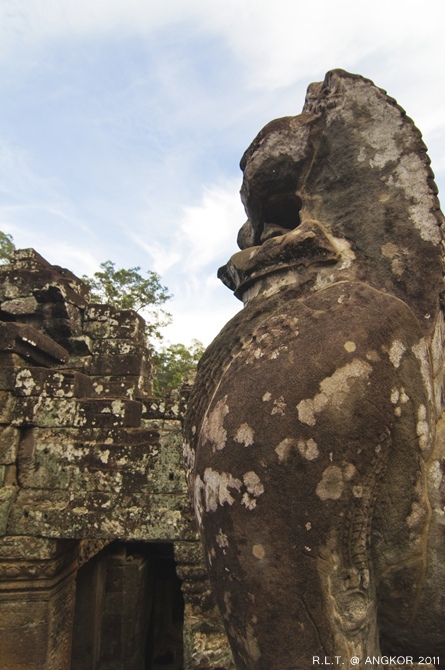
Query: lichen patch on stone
{"x": 331, "y": 485}
{"x": 279, "y": 406}
{"x": 396, "y": 352}
{"x": 422, "y": 428}
{"x": 420, "y": 351}
{"x": 258, "y": 551}
{"x": 217, "y": 485}
{"x": 284, "y": 448}
{"x": 213, "y": 430}
{"x": 222, "y": 540}
{"x": 244, "y": 435}
{"x": 254, "y": 487}
{"x": 333, "y": 390}
{"x": 308, "y": 449}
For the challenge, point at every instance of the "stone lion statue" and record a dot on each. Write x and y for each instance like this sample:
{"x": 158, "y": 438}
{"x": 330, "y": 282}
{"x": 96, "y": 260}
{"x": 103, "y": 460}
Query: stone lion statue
{"x": 315, "y": 437}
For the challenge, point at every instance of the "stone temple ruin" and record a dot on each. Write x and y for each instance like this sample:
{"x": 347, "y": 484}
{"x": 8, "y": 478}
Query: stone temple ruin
{"x": 100, "y": 564}
{"x": 314, "y": 434}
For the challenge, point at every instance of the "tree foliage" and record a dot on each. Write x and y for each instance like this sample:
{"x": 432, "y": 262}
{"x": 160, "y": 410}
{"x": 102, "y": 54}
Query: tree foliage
{"x": 128, "y": 289}
{"x": 7, "y": 247}
{"x": 175, "y": 365}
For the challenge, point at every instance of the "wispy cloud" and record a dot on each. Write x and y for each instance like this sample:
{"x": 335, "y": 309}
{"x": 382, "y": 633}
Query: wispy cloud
{"x": 124, "y": 120}
{"x": 208, "y": 230}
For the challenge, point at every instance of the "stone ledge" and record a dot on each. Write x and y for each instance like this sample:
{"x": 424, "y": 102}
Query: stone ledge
{"x": 109, "y": 516}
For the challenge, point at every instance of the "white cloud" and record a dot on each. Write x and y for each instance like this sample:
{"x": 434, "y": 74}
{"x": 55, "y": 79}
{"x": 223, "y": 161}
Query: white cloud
{"x": 204, "y": 238}
{"x": 163, "y": 257}
{"x": 208, "y": 231}
{"x": 201, "y": 324}
{"x": 278, "y": 43}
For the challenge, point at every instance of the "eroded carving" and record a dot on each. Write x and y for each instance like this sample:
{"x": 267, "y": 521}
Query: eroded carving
{"x": 323, "y": 516}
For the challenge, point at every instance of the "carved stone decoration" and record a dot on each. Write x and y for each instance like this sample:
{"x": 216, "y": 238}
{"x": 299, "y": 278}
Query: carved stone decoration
{"x": 315, "y": 435}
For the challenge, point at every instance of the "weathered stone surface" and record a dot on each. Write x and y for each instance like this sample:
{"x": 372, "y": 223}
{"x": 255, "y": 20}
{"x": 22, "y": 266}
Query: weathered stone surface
{"x": 9, "y": 444}
{"x": 59, "y": 412}
{"x": 314, "y": 434}
{"x": 7, "y": 407}
{"x": 55, "y": 513}
{"x": 7, "y": 497}
{"x": 105, "y": 321}
{"x": 133, "y": 387}
{"x": 33, "y": 381}
{"x": 36, "y": 606}
{"x": 19, "y": 547}
{"x": 133, "y": 364}
{"x": 30, "y": 344}
{"x": 84, "y": 462}
{"x": 20, "y": 306}
{"x": 205, "y": 643}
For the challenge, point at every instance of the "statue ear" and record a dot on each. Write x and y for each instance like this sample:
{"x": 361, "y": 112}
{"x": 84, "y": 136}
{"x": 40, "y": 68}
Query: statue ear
{"x": 246, "y": 236}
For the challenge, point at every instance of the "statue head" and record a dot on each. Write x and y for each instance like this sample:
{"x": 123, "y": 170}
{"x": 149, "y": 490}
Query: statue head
{"x": 342, "y": 191}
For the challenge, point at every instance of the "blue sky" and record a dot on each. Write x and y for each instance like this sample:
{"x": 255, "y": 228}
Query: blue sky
{"x": 122, "y": 122}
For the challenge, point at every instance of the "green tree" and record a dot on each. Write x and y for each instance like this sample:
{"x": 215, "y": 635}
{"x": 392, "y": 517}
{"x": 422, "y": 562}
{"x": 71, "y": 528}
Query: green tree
{"x": 128, "y": 289}
{"x": 175, "y": 365}
{"x": 7, "y": 247}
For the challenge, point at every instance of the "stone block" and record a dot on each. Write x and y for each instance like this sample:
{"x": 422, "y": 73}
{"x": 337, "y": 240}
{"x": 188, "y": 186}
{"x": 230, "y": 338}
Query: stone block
{"x": 61, "y": 310}
{"x": 46, "y": 284}
{"x": 80, "y": 345}
{"x": 81, "y": 363}
{"x": 67, "y": 411}
{"x": 161, "y": 408}
{"x": 61, "y": 330}
{"x": 43, "y": 411}
{"x": 105, "y": 321}
{"x": 189, "y": 553}
{"x": 56, "y": 290}
{"x": 7, "y": 495}
{"x": 109, "y": 412}
{"x": 7, "y": 407}
{"x": 63, "y": 459}
{"x": 112, "y": 387}
{"x": 122, "y": 347}
{"x": 29, "y": 259}
{"x": 8, "y": 375}
{"x": 10, "y": 360}
{"x": 30, "y": 344}
{"x": 20, "y": 306}
{"x": 118, "y": 515}
{"x": 36, "y": 612}
{"x": 34, "y": 381}
{"x": 133, "y": 387}
{"x": 120, "y": 365}
{"x": 9, "y": 444}
{"x": 21, "y": 547}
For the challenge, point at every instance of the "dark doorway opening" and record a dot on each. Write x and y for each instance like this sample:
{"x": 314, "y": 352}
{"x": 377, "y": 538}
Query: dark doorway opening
{"x": 129, "y": 610}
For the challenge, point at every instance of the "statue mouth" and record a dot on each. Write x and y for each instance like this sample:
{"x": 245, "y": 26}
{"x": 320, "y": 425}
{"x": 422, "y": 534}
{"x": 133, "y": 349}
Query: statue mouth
{"x": 282, "y": 249}
{"x": 283, "y": 213}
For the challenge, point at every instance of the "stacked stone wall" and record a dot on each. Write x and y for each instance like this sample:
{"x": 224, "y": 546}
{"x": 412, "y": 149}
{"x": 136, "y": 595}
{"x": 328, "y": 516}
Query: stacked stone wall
{"x": 87, "y": 458}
